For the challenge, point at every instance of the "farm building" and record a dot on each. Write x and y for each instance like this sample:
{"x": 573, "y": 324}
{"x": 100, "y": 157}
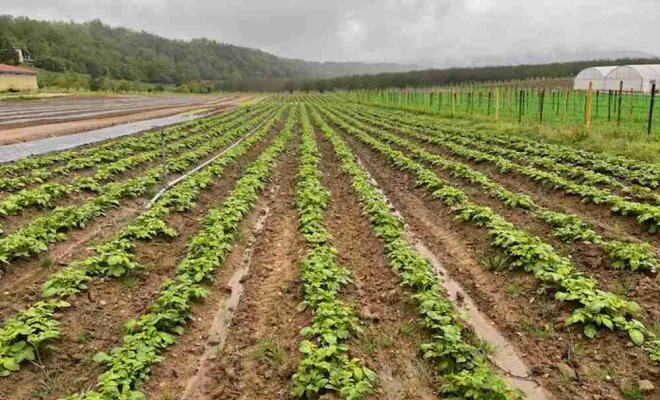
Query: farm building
{"x": 596, "y": 75}
{"x": 639, "y": 78}
{"x": 17, "y": 79}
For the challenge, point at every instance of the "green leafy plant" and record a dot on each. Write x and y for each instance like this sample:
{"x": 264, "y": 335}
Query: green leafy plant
{"x": 146, "y": 337}
{"x": 326, "y": 365}
{"x": 463, "y": 365}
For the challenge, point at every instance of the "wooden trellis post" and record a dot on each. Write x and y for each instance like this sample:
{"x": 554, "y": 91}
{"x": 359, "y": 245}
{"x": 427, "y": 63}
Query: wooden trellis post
{"x": 618, "y": 110}
{"x": 490, "y": 95}
{"x": 632, "y": 103}
{"x": 541, "y": 103}
{"x": 520, "y": 106}
{"x": 648, "y": 132}
{"x": 587, "y": 112}
{"x": 565, "y": 112}
{"x": 497, "y": 104}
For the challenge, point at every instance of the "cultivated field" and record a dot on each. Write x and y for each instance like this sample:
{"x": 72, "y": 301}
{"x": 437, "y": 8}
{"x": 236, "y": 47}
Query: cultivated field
{"x": 27, "y": 120}
{"x": 329, "y": 250}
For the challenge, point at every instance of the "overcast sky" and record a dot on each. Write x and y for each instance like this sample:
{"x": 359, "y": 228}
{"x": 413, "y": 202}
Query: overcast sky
{"x": 441, "y": 32}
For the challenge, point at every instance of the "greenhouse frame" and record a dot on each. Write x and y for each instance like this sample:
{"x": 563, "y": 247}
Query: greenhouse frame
{"x": 596, "y": 75}
{"x": 638, "y": 78}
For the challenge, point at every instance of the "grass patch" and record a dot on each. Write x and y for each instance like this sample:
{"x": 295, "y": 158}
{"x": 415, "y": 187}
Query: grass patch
{"x": 268, "y": 351}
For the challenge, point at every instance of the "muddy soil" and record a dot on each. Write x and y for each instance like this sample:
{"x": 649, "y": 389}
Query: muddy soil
{"x": 261, "y": 352}
{"x": 392, "y": 337}
{"x": 95, "y": 320}
{"x": 532, "y": 322}
{"x": 24, "y": 272}
{"x": 254, "y": 343}
{"x": 592, "y": 260}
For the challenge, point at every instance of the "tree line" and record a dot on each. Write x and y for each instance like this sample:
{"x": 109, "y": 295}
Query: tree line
{"x": 96, "y": 56}
{"x": 116, "y": 53}
{"x": 443, "y": 77}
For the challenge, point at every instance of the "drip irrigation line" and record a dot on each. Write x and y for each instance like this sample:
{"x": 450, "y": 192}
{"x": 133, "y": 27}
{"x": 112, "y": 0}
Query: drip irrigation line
{"x": 199, "y": 167}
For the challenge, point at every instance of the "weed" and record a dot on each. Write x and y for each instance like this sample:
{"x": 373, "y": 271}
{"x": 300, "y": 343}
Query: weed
{"x": 486, "y": 347}
{"x": 47, "y": 389}
{"x": 548, "y": 309}
{"x": 384, "y": 341}
{"x": 622, "y": 288}
{"x": 84, "y": 337}
{"x": 408, "y": 328}
{"x": 539, "y": 332}
{"x": 269, "y": 352}
{"x": 631, "y": 392}
{"x": 129, "y": 280}
{"x": 514, "y": 290}
{"x": 494, "y": 263}
{"x": 47, "y": 261}
{"x": 368, "y": 346}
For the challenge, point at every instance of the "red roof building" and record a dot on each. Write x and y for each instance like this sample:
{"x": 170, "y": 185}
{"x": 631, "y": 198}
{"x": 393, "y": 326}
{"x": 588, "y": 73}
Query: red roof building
{"x": 10, "y": 69}
{"x": 17, "y": 79}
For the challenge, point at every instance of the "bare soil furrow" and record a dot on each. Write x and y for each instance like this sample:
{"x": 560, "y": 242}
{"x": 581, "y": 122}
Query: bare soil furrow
{"x": 529, "y": 320}
{"x": 390, "y": 342}
{"x": 95, "y": 321}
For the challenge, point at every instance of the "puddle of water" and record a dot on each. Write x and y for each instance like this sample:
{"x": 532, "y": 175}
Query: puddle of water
{"x": 219, "y": 329}
{"x": 505, "y": 357}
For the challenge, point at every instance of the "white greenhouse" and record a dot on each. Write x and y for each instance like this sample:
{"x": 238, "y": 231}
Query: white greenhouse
{"x": 639, "y": 78}
{"x": 596, "y": 75}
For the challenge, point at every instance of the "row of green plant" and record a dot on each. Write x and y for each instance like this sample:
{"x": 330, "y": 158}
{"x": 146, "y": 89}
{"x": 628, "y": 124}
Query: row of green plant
{"x": 595, "y": 308}
{"x": 325, "y": 365}
{"x": 645, "y": 174}
{"x": 578, "y": 173}
{"x": 50, "y": 228}
{"x": 32, "y": 330}
{"x": 568, "y": 228}
{"x": 647, "y": 215}
{"x": 41, "y": 168}
{"x": 452, "y": 347}
{"x": 47, "y": 194}
{"x": 145, "y": 338}
{"x": 127, "y": 142}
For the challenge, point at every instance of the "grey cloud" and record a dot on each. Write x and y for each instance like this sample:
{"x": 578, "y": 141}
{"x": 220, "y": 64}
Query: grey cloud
{"x": 438, "y": 32}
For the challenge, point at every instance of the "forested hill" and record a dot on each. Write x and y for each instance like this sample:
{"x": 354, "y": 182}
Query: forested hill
{"x": 100, "y": 50}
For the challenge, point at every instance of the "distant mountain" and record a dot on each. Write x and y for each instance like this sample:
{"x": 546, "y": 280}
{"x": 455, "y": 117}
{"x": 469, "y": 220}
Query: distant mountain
{"x": 101, "y": 50}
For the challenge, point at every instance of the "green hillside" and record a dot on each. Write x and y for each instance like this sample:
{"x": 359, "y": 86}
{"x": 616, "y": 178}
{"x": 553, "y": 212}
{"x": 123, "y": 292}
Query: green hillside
{"x": 100, "y": 50}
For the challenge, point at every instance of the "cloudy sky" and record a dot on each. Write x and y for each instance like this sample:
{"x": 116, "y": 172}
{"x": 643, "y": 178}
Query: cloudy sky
{"x": 437, "y": 32}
